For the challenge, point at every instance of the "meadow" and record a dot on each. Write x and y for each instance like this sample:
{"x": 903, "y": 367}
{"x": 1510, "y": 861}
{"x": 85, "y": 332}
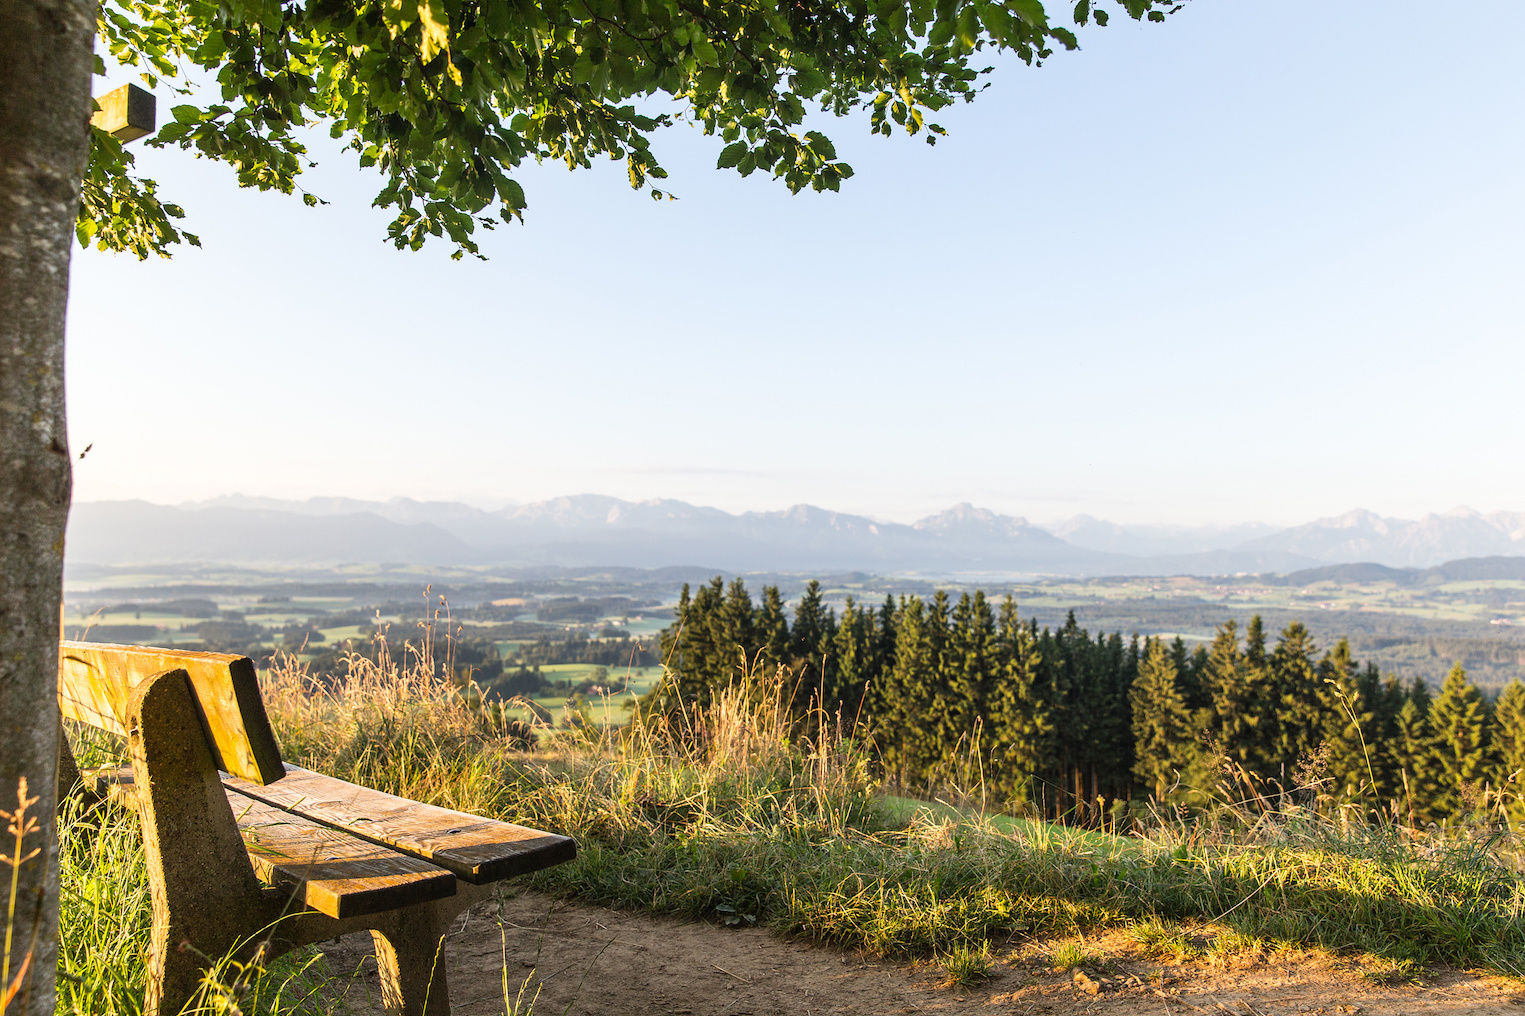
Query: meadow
{"x": 740, "y": 811}
{"x": 1411, "y": 625}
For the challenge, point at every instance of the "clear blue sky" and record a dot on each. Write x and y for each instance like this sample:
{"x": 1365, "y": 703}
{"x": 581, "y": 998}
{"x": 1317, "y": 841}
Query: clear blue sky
{"x": 1262, "y": 262}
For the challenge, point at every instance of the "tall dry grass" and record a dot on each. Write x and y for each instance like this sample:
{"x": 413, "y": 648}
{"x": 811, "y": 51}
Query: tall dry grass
{"x": 736, "y": 810}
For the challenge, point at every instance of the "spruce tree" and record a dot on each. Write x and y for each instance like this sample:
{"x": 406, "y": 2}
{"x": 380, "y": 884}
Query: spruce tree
{"x": 1383, "y": 698}
{"x": 1297, "y": 702}
{"x": 969, "y": 666}
{"x": 1226, "y": 680}
{"x": 877, "y": 706}
{"x": 1182, "y": 661}
{"x": 1244, "y": 720}
{"x": 1459, "y": 726}
{"x": 811, "y": 638}
{"x": 772, "y": 629}
{"x": 1111, "y": 749}
{"x": 885, "y": 638}
{"x": 809, "y": 624}
{"x": 1347, "y": 718}
{"x": 852, "y": 654}
{"x": 690, "y": 652}
{"x": 1414, "y": 758}
{"x": 735, "y": 637}
{"x": 907, "y": 743}
{"x": 1509, "y": 746}
{"x": 1021, "y": 726}
{"x": 672, "y": 638}
{"x": 1069, "y": 679}
{"x": 1255, "y": 642}
{"x": 1161, "y": 721}
{"x": 1048, "y": 786}
{"x": 1195, "y": 680}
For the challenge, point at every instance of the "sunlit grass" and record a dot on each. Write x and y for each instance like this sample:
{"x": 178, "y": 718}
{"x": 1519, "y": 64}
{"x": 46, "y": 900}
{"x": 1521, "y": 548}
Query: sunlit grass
{"x": 735, "y": 808}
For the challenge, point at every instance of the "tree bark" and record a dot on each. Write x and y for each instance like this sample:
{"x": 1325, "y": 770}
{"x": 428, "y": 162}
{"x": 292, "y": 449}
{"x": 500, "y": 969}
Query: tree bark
{"x": 46, "y": 57}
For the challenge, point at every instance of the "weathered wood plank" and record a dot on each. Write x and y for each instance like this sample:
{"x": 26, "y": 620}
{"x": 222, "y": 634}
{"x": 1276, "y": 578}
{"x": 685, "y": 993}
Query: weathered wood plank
{"x": 477, "y": 850}
{"x": 96, "y": 679}
{"x": 331, "y": 871}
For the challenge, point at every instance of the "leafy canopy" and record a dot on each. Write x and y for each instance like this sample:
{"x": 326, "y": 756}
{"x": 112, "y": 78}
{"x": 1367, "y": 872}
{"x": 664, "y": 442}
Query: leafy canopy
{"x": 447, "y": 97}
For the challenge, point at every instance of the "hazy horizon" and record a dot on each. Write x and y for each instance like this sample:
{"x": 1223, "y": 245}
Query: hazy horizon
{"x": 501, "y": 504}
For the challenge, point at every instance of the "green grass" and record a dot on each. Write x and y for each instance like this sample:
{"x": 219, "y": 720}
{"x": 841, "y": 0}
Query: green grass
{"x": 1068, "y": 956}
{"x": 967, "y": 964}
{"x": 901, "y": 812}
{"x": 796, "y": 834}
{"x": 1164, "y": 940}
{"x": 724, "y": 814}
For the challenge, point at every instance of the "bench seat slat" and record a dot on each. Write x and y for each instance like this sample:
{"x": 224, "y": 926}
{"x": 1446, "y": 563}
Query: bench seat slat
{"x": 329, "y": 870}
{"x": 477, "y": 850}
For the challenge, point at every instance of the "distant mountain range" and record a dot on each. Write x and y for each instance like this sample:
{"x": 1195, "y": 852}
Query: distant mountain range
{"x": 594, "y": 530}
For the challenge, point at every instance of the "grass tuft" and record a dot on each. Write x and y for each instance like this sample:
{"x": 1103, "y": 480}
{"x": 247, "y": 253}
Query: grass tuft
{"x": 1068, "y": 956}
{"x": 1383, "y": 971}
{"x": 966, "y": 964}
{"x": 1164, "y": 939}
{"x": 1233, "y": 943}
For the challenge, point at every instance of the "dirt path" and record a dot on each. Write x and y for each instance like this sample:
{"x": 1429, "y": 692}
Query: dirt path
{"x": 588, "y": 961}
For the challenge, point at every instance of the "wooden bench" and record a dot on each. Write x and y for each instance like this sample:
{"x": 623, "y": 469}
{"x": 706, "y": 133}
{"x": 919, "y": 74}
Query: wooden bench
{"x": 249, "y": 855}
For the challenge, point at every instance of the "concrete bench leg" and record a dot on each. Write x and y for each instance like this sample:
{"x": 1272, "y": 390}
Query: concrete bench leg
{"x": 204, "y": 892}
{"x": 410, "y": 955}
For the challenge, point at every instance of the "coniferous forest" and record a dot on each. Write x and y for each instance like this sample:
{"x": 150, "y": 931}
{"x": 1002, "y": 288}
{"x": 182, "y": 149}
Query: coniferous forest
{"x": 1083, "y": 728}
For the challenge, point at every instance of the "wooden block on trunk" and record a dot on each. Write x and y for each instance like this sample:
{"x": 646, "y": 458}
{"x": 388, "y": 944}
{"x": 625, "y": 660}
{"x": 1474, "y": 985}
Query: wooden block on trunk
{"x": 126, "y": 113}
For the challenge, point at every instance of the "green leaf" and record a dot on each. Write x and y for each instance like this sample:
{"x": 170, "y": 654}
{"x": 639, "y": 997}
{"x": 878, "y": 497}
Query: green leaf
{"x": 186, "y": 114}
{"x": 1083, "y": 12}
{"x": 513, "y": 194}
{"x": 436, "y": 29}
{"x": 1030, "y": 11}
{"x": 821, "y": 145}
{"x": 968, "y": 26}
{"x": 731, "y": 155}
{"x": 809, "y": 81}
{"x": 998, "y": 19}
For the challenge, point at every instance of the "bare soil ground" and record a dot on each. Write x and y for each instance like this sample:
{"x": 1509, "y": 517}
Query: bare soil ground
{"x": 584, "y": 960}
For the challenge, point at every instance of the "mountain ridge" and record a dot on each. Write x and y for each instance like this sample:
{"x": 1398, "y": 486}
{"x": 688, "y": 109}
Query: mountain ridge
{"x": 595, "y": 529}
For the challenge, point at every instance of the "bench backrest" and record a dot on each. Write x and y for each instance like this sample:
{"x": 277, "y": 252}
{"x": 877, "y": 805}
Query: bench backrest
{"x": 96, "y": 679}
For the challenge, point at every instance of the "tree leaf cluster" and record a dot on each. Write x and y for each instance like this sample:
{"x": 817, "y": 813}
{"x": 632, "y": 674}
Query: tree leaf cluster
{"x": 448, "y": 97}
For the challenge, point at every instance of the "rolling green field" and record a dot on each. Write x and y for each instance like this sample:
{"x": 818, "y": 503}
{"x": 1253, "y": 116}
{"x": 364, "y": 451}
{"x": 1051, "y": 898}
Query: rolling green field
{"x": 611, "y": 709}
{"x": 1411, "y": 625}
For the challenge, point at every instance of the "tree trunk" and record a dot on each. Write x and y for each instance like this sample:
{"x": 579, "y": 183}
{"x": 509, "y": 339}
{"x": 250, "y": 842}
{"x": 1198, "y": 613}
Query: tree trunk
{"x": 46, "y": 55}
